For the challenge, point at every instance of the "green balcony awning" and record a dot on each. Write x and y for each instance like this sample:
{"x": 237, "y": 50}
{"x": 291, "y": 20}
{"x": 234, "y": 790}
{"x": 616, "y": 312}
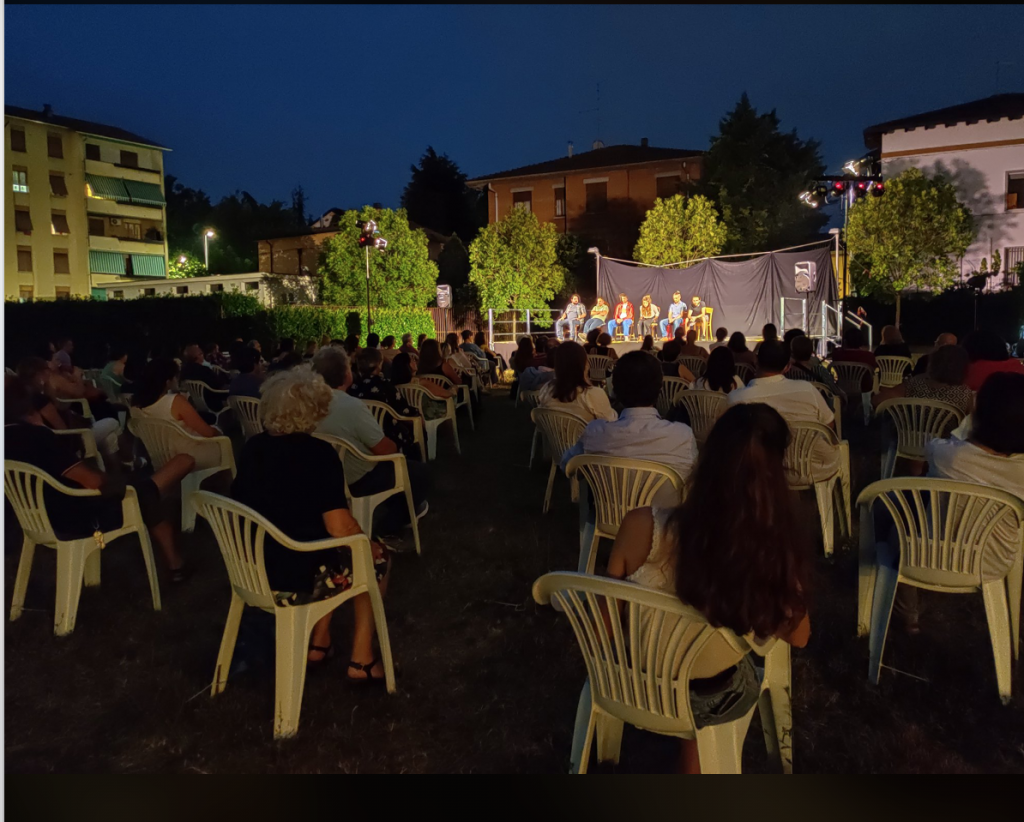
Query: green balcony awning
{"x": 99, "y": 294}
{"x": 106, "y": 262}
{"x": 108, "y": 188}
{"x": 147, "y": 194}
{"x": 148, "y": 265}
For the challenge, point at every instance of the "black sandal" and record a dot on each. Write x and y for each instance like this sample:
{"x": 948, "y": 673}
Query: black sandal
{"x": 328, "y": 653}
{"x": 367, "y": 669}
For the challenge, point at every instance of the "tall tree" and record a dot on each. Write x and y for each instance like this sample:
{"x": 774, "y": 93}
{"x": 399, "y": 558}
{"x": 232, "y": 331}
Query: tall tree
{"x": 299, "y": 206}
{"x": 515, "y": 264}
{"x": 402, "y": 275}
{"x": 909, "y": 237}
{"x": 453, "y": 269}
{"x": 678, "y": 229}
{"x": 755, "y": 174}
{"x": 182, "y": 264}
{"x": 437, "y": 197}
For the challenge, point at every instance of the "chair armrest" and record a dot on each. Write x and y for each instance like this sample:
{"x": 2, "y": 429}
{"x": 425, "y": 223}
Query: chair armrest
{"x": 82, "y": 402}
{"x": 355, "y": 542}
{"x": 227, "y": 454}
{"x": 88, "y": 439}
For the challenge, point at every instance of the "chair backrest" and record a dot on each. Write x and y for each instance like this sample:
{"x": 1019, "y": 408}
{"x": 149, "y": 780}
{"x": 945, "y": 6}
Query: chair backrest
{"x": 24, "y": 486}
{"x": 10, "y": 372}
{"x": 560, "y": 428}
{"x": 163, "y": 439}
{"x": 704, "y": 408}
{"x": 108, "y": 387}
{"x": 849, "y": 375}
{"x": 90, "y": 450}
{"x": 892, "y": 370}
{"x": 438, "y": 379}
{"x": 697, "y": 365}
{"x": 416, "y": 395}
{"x": 640, "y": 660}
{"x": 352, "y": 458}
{"x": 919, "y": 421}
{"x": 195, "y": 389}
{"x": 804, "y": 440}
{"x": 382, "y": 411}
{"x": 618, "y": 485}
{"x": 825, "y": 391}
{"x": 944, "y": 526}
{"x": 671, "y": 389}
{"x": 800, "y": 374}
{"x": 93, "y": 375}
{"x": 745, "y": 371}
{"x": 600, "y": 367}
{"x": 529, "y": 398}
{"x": 247, "y": 412}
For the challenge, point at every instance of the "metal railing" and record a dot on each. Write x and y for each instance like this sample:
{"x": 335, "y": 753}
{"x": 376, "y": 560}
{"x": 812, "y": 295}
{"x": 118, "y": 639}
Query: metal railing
{"x": 782, "y": 312}
{"x": 861, "y": 323}
{"x": 509, "y": 326}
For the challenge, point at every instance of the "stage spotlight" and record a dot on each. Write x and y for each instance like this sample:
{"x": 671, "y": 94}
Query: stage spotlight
{"x": 380, "y": 243}
{"x": 860, "y": 190}
{"x": 851, "y": 166}
{"x": 878, "y": 189}
{"x": 838, "y": 188}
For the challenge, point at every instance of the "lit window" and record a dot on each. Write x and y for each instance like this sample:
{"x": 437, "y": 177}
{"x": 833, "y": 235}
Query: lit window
{"x": 1015, "y": 190}
{"x": 25, "y": 293}
{"x": 522, "y": 199}
{"x": 21, "y": 180}
{"x": 134, "y": 230}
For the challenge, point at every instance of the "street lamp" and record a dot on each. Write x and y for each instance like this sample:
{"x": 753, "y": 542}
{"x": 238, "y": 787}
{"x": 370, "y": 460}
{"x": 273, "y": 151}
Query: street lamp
{"x": 207, "y": 236}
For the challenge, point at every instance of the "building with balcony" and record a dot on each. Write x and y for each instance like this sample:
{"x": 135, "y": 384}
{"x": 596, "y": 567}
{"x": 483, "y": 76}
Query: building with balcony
{"x": 602, "y": 195}
{"x": 85, "y": 206}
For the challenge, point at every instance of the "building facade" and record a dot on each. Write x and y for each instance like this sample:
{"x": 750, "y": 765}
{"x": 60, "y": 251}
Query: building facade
{"x": 979, "y": 146}
{"x": 85, "y": 206}
{"x": 602, "y": 195}
{"x": 269, "y": 290}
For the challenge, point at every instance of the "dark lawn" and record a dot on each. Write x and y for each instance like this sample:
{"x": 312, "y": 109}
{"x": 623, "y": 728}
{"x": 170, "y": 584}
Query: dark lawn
{"x": 488, "y": 680}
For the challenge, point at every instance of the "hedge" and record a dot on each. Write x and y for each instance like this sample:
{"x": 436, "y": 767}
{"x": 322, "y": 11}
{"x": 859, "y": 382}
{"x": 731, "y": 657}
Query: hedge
{"x": 162, "y": 325}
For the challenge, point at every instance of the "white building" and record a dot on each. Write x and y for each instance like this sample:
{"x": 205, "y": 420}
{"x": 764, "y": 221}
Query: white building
{"x": 979, "y": 146}
{"x": 269, "y": 289}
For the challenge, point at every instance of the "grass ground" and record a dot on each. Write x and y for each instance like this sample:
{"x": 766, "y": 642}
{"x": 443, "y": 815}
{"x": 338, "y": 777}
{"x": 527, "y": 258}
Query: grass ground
{"x": 488, "y": 679}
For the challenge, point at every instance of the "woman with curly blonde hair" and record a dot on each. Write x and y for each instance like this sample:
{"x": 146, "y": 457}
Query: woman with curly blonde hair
{"x": 298, "y": 483}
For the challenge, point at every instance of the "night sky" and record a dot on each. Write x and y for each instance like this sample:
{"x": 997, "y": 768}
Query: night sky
{"x": 344, "y": 99}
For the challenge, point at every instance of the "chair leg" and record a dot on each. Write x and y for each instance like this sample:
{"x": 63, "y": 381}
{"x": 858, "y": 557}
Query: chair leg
{"x": 469, "y": 408}
{"x": 776, "y": 708}
{"x": 609, "y": 738}
{"x": 591, "y": 557}
{"x": 886, "y": 582}
{"x": 71, "y": 558}
{"x": 147, "y": 556}
{"x": 91, "y": 571}
{"x": 720, "y": 747}
{"x": 997, "y": 613}
{"x": 291, "y": 647}
{"x": 889, "y": 462}
{"x": 412, "y": 517}
{"x": 431, "y": 442}
{"x": 866, "y": 573}
{"x": 455, "y": 433}
{"x": 380, "y": 625}
{"x": 28, "y": 552}
{"x": 846, "y": 480}
{"x": 533, "y": 448}
{"x": 551, "y": 485}
{"x": 227, "y": 645}
{"x": 583, "y": 731}
{"x": 826, "y": 510}
{"x": 189, "y": 485}
{"x": 866, "y": 402}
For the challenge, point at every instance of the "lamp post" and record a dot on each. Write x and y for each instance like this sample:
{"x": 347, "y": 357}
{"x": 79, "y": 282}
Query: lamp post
{"x": 207, "y": 236}
{"x": 368, "y": 239}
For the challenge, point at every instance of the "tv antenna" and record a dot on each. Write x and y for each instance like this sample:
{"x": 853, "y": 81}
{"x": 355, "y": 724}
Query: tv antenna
{"x": 597, "y": 111}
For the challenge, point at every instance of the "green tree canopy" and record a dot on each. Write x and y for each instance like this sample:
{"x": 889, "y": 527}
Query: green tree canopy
{"x": 678, "y": 229}
{"x": 437, "y": 197}
{"x": 402, "y": 275}
{"x": 909, "y": 237}
{"x": 755, "y": 173}
{"x": 183, "y": 264}
{"x": 515, "y": 263}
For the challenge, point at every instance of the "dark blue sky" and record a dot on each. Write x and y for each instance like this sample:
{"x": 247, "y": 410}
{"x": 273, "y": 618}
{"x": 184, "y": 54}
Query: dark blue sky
{"x": 344, "y": 99}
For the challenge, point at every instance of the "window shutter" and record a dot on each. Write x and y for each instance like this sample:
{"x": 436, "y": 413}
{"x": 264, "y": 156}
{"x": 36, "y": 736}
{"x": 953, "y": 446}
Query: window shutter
{"x": 23, "y": 222}
{"x": 17, "y": 139}
{"x": 92, "y": 151}
{"x": 24, "y": 259}
{"x": 61, "y": 263}
{"x": 54, "y": 145}
{"x": 58, "y": 188}
{"x": 60, "y": 224}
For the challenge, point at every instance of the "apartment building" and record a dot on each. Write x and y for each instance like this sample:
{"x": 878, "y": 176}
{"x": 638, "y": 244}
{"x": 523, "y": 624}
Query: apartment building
{"x": 85, "y": 206}
{"x": 602, "y": 195}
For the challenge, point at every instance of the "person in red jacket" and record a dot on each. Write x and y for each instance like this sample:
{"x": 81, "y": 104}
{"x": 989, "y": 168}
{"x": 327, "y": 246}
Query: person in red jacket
{"x": 623, "y": 316}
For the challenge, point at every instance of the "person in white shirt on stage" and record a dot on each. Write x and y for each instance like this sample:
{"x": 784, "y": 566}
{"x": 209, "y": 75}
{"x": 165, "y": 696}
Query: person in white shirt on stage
{"x": 676, "y": 316}
{"x": 572, "y": 318}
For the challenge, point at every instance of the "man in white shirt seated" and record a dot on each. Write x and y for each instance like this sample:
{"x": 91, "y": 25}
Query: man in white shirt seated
{"x": 795, "y": 400}
{"x": 351, "y": 419}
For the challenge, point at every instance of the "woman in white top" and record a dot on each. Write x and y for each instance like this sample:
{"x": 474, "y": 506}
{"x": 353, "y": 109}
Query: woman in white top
{"x": 571, "y": 390}
{"x": 754, "y": 587}
{"x": 156, "y": 397}
{"x": 720, "y": 374}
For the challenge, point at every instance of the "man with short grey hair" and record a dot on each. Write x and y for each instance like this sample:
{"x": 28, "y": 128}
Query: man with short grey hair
{"x": 945, "y": 338}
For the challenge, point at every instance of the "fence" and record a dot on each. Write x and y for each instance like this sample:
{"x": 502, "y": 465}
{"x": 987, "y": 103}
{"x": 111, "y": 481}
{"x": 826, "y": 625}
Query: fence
{"x": 508, "y": 326}
{"x": 455, "y": 320}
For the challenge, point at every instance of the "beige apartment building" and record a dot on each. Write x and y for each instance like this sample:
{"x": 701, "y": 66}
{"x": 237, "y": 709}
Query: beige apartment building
{"x": 85, "y": 206}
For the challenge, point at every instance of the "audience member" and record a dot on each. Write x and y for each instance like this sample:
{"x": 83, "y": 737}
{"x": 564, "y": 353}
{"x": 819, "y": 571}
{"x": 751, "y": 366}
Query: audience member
{"x": 407, "y": 347}
{"x": 769, "y": 333}
{"x": 855, "y": 350}
{"x": 373, "y": 340}
{"x": 892, "y": 344}
{"x": 370, "y": 384}
{"x": 988, "y": 356}
{"x": 432, "y": 362}
{"x": 404, "y": 372}
{"x": 249, "y": 380}
{"x": 669, "y": 355}
{"x": 944, "y": 381}
{"x": 193, "y": 368}
{"x": 112, "y": 376}
{"x": 213, "y": 357}
{"x": 571, "y": 391}
{"x": 420, "y": 340}
{"x": 720, "y": 375}
{"x": 943, "y": 339}
{"x": 740, "y": 353}
{"x": 788, "y": 337}
{"x": 62, "y": 354}
{"x": 803, "y": 364}
{"x": 604, "y": 346}
{"x": 720, "y": 339}
{"x": 591, "y": 342}
{"x": 387, "y": 348}
{"x": 469, "y": 346}
{"x": 526, "y": 356}
{"x": 691, "y": 349}
{"x": 648, "y": 345}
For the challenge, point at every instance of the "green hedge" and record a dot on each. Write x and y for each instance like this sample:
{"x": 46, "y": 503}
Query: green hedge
{"x": 164, "y": 324}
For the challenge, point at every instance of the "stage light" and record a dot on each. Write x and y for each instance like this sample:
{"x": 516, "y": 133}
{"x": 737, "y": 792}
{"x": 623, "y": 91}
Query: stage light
{"x": 878, "y": 189}
{"x": 380, "y": 243}
{"x": 851, "y": 166}
{"x": 838, "y": 187}
{"x": 860, "y": 190}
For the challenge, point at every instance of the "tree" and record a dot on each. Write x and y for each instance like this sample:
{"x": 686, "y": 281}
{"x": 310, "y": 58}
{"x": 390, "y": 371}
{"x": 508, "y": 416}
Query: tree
{"x": 299, "y": 206}
{"x": 755, "y": 174}
{"x": 184, "y": 264}
{"x": 400, "y": 276}
{"x": 572, "y": 256}
{"x": 437, "y": 197}
{"x": 515, "y": 264}
{"x": 678, "y": 229}
{"x": 453, "y": 269}
{"x": 909, "y": 237}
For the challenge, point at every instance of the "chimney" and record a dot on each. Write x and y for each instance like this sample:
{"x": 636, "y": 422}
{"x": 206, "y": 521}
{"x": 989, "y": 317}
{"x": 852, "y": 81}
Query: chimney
{"x": 643, "y": 142}
{"x": 570, "y": 148}
{"x": 47, "y": 111}
{"x": 597, "y": 144}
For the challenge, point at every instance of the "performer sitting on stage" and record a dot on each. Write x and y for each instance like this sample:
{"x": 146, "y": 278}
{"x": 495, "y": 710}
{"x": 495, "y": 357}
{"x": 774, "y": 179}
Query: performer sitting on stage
{"x": 571, "y": 318}
{"x": 649, "y": 314}
{"x": 676, "y": 315}
{"x": 598, "y": 316}
{"x": 695, "y": 318}
{"x": 623, "y": 317}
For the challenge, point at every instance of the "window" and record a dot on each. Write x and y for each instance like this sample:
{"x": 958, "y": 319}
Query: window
{"x": 24, "y": 259}
{"x": 97, "y": 227}
{"x": 17, "y": 139}
{"x": 129, "y": 158}
{"x": 25, "y": 293}
{"x": 58, "y": 188}
{"x": 92, "y": 151}
{"x": 560, "y": 201}
{"x": 62, "y": 292}
{"x": 22, "y": 220}
{"x": 1015, "y": 190}
{"x": 59, "y": 222}
{"x": 21, "y": 180}
{"x": 149, "y": 292}
{"x": 522, "y": 199}
{"x": 252, "y": 286}
{"x": 668, "y": 186}
{"x": 54, "y": 146}
{"x": 61, "y": 263}
{"x": 216, "y": 288}
{"x": 118, "y": 295}
{"x": 597, "y": 196}
{"x": 134, "y": 230}
{"x": 181, "y": 289}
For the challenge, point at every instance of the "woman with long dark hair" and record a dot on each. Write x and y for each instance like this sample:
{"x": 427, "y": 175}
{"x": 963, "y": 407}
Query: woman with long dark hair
{"x": 432, "y": 362}
{"x": 738, "y": 345}
{"x": 770, "y": 333}
{"x": 571, "y": 390}
{"x": 749, "y": 571}
{"x": 720, "y": 374}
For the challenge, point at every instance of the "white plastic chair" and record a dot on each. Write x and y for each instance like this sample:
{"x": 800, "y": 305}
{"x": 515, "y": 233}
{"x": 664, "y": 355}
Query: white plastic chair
{"x": 78, "y": 560}
{"x": 462, "y": 394}
{"x": 800, "y": 457}
{"x": 640, "y": 647}
{"x": 745, "y": 371}
{"x": 83, "y": 410}
{"x": 600, "y": 367}
{"x": 617, "y": 486}
{"x": 484, "y": 366}
{"x": 416, "y": 395}
{"x": 671, "y": 389}
{"x": 835, "y": 402}
{"x": 247, "y": 412}
{"x": 93, "y": 375}
{"x": 197, "y": 390}
{"x": 382, "y": 411}
{"x": 561, "y": 430}
{"x": 917, "y": 423}
{"x": 893, "y": 370}
{"x": 89, "y": 448}
{"x": 704, "y": 408}
{"x": 697, "y": 365}
{"x": 527, "y": 398}
{"x": 241, "y": 533}
{"x": 363, "y": 507}
{"x": 849, "y": 377}
{"x": 944, "y": 529}
{"x": 164, "y": 439}
{"x": 465, "y": 375}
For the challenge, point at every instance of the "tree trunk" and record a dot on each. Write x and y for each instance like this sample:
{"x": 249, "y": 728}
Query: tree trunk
{"x": 897, "y": 309}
